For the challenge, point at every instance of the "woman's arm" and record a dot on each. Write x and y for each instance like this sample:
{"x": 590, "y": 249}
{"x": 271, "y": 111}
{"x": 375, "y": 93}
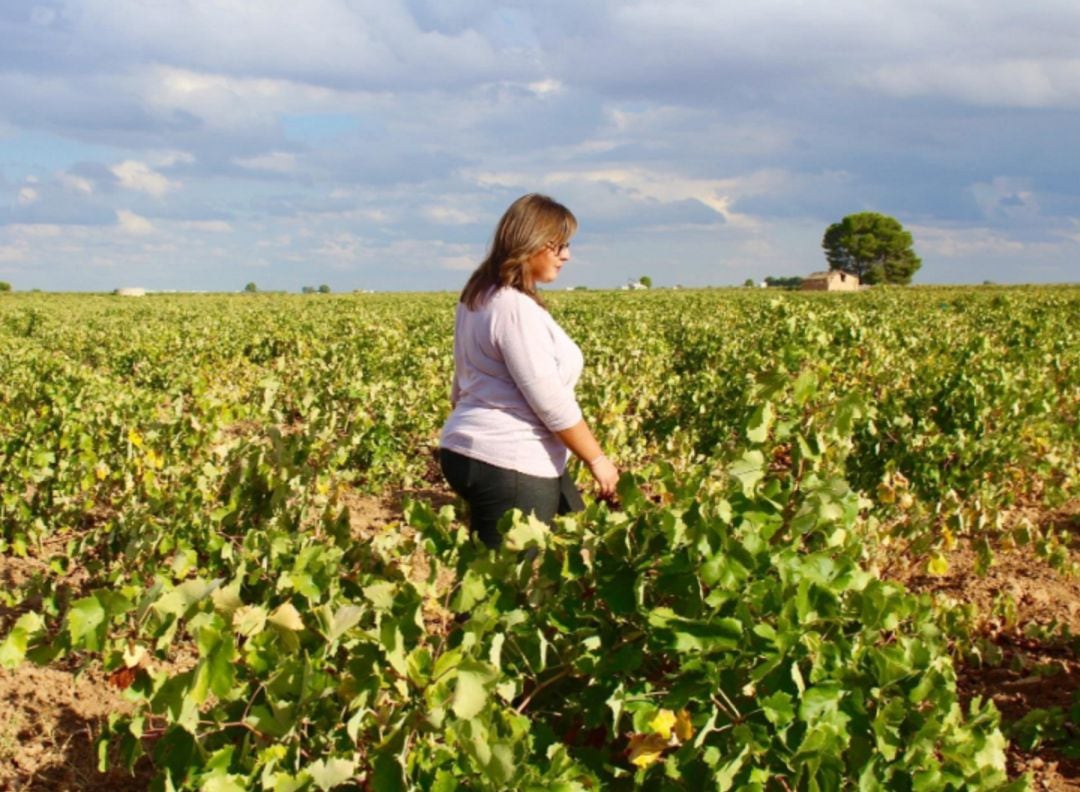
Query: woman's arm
{"x": 579, "y": 439}
{"x": 528, "y": 351}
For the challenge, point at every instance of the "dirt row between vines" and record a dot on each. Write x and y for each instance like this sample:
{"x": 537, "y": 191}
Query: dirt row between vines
{"x": 51, "y": 716}
{"x": 1039, "y": 645}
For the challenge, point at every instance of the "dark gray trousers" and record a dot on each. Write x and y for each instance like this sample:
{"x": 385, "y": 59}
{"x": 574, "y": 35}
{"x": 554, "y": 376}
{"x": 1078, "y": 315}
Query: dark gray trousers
{"x": 492, "y": 491}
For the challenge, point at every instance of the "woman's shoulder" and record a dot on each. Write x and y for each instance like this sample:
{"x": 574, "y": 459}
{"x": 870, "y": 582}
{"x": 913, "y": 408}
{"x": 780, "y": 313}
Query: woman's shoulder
{"x": 507, "y": 298}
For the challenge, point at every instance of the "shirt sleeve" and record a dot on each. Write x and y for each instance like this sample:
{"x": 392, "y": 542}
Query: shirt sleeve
{"x": 528, "y": 350}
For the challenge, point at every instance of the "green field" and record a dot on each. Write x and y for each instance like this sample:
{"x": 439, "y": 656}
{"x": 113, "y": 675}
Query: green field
{"x": 188, "y": 472}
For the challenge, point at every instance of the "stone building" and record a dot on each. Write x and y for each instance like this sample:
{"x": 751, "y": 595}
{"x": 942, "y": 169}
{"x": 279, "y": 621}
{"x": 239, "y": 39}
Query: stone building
{"x": 833, "y": 280}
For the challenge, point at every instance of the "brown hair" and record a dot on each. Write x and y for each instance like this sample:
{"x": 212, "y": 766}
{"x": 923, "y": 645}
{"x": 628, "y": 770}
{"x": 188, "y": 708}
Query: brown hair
{"x": 531, "y": 223}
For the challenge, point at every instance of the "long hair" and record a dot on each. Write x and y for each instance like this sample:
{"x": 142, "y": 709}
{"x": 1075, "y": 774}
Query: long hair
{"x": 531, "y": 223}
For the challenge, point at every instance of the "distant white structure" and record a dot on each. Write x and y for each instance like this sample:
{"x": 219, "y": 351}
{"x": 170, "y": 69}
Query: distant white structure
{"x": 131, "y": 291}
{"x": 634, "y": 286}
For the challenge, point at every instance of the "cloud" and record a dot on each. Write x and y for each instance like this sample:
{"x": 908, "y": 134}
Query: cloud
{"x": 1006, "y": 198}
{"x": 546, "y": 87}
{"x": 40, "y": 231}
{"x": 274, "y": 162}
{"x": 139, "y": 176}
{"x": 168, "y": 159}
{"x": 131, "y": 223}
{"x": 958, "y": 242}
{"x": 323, "y": 42}
{"x": 12, "y": 253}
{"x": 461, "y": 263}
{"x": 1018, "y": 82}
{"x": 380, "y": 141}
{"x": 451, "y": 215}
{"x": 75, "y": 183}
{"x": 208, "y": 226}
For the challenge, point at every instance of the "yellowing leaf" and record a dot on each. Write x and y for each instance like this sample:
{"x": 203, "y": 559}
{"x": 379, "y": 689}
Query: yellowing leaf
{"x": 684, "y": 729}
{"x": 645, "y": 749}
{"x": 135, "y": 438}
{"x": 471, "y": 690}
{"x": 662, "y": 723}
{"x": 249, "y": 620}
{"x": 286, "y": 617}
{"x": 939, "y": 565}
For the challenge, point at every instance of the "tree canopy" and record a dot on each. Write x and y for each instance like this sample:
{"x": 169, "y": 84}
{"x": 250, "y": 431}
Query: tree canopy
{"x": 873, "y": 246}
{"x": 792, "y": 282}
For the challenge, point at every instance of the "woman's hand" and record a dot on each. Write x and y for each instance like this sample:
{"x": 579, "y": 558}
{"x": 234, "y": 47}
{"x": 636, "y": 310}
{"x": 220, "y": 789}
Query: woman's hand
{"x": 606, "y": 475}
{"x": 579, "y": 439}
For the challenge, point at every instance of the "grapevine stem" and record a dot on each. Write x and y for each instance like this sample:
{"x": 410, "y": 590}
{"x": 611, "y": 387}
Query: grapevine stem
{"x": 565, "y": 671}
{"x": 235, "y": 724}
{"x": 524, "y": 656}
{"x": 730, "y": 702}
{"x": 789, "y": 507}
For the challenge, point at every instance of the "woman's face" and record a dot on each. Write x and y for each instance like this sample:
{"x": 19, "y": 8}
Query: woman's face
{"x": 545, "y": 264}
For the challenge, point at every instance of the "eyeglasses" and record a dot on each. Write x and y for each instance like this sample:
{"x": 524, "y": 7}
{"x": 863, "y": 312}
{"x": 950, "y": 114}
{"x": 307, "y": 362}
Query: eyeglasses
{"x": 558, "y": 248}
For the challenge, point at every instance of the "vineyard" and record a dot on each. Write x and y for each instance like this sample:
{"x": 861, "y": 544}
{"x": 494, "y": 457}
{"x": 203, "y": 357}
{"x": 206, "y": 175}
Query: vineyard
{"x": 226, "y": 510}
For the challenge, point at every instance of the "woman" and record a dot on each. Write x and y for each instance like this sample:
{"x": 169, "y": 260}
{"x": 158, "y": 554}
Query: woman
{"x": 515, "y": 417}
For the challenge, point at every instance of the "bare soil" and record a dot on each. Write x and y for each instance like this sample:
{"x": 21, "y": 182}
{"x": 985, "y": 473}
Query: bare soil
{"x": 51, "y": 718}
{"x": 1030, "y": 612}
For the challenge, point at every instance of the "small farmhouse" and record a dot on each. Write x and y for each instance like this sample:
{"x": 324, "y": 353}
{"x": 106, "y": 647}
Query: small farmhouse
{"x": 130, "y": 291}
{"x": 833, "y": 280}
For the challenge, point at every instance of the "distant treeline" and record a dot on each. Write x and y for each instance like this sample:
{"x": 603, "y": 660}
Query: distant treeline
{"x": 794, "y": 282}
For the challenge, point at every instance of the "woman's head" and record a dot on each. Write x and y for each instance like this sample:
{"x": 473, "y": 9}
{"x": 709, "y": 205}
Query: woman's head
{"x": 532, "y": 235}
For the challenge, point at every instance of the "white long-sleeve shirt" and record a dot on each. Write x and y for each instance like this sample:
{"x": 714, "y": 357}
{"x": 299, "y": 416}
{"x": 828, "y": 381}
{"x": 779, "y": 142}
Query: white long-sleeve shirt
{"x": 514, "y": 375}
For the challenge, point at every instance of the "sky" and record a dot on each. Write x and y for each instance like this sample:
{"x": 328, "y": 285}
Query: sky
{"x": 373, "y": 144}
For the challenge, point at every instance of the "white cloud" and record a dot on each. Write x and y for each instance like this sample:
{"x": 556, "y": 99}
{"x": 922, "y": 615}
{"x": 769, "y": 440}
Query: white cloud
{"x": 666, "y": 187}
{"x": 222, "y": 101}
{"x": 131, "y": 223}
{"x": 450, "y": 215}
{"x": 140, "y": 177}
{"x": 342, "y": 248}
{"x": 28, "y": 195}
{"x": 546, "y": 87}
{"x": 75, "y": 183}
